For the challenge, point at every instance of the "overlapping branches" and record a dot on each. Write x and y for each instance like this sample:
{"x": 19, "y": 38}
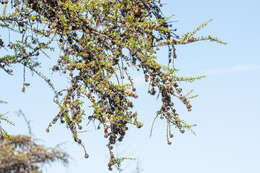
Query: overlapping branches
{"x": 21, "y": 153}
{"x": 100, "y": 41}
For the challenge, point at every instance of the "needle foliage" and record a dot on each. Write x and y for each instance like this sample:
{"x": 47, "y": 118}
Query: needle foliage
{"x": 100, "y": 42}
{"x": 22, "y": 154}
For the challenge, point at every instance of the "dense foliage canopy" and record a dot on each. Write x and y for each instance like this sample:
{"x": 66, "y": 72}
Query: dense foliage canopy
{"x": 100, "y": 41}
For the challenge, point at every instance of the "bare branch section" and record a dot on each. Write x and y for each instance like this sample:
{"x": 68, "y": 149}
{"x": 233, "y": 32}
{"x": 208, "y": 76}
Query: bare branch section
{"x": 101, "y": 41}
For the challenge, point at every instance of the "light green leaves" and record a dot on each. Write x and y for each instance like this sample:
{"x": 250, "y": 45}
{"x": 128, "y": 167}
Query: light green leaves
{"x": 189, "y": 37}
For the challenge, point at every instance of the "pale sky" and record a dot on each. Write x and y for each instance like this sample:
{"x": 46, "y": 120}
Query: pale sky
{"x": 227, "y": 111}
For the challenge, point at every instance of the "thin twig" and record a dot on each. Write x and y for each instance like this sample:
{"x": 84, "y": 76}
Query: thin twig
{"x": 151, "y": 131}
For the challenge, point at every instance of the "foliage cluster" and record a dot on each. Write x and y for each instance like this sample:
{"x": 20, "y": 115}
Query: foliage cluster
{"x": 22, "y": 154}
{"x": 100, "y": 41}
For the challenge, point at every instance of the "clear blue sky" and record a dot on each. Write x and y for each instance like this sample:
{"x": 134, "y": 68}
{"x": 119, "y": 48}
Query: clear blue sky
{"x": 227, "y": 110}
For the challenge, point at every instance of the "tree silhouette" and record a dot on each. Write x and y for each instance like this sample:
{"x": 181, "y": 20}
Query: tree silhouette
{"x": 100, "y": 41}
